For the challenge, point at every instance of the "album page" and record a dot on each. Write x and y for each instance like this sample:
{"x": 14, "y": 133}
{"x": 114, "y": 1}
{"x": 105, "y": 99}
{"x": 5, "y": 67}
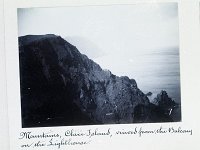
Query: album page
{"x": 3, "y": 102}
{"x": 102, "y": 75}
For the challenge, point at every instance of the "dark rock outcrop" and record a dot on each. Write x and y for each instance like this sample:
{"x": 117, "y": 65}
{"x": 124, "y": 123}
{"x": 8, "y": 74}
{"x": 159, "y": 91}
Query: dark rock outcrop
{"x": 162, "y": 109}
{"x": 61, "y": 86}
{"x": 169, "y": 106}
{"x": 149, "y": 94}
{"x": 150, "y": 114}
{"x": 164, "y": 101}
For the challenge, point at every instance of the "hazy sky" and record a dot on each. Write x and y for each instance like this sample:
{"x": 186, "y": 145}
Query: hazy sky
{"x": 115, "y": 36}
{"x": 116, "y": 28}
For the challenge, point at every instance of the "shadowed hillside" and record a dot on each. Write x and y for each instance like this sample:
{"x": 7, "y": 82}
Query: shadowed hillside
{"x": 61, "y": 86}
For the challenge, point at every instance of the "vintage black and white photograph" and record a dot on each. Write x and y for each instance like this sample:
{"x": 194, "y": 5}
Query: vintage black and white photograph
{"x": 95, "y": 65}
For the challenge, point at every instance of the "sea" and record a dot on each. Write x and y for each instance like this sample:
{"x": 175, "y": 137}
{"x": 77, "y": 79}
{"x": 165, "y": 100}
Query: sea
{"x": 153, "y": 70}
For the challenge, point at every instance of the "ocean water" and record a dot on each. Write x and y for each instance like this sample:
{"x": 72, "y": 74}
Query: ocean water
{"x": 161, "y": 72}
{"x": 153, "y": 70}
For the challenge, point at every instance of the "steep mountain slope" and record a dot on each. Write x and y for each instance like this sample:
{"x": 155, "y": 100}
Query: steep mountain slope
{"x": 61, "y": 86}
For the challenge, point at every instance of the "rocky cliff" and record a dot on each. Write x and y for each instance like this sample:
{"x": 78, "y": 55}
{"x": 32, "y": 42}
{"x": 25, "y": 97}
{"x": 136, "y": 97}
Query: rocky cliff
{"x": 61, "y": 86}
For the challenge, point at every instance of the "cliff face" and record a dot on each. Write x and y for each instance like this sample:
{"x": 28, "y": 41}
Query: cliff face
{"x": 61, "y": 86}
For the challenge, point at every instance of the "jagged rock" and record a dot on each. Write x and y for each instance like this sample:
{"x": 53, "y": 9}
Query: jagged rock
{"x": 150, "y": 113}
{"x": 169, "y": 106}
{"x": 162, "y": 109}
{"x": 61, "y": 86}
{"x": 149, "y": 94}
{"x": 163, "y": 100}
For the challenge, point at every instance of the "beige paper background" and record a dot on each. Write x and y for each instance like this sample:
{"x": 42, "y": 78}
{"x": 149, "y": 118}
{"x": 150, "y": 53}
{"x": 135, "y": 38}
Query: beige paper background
{"x": 190, "y": 82}
{"x": 3, "y": 102}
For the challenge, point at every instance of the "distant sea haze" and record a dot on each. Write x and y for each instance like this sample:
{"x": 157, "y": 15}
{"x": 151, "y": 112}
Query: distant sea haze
{"x": 153, "y": 70}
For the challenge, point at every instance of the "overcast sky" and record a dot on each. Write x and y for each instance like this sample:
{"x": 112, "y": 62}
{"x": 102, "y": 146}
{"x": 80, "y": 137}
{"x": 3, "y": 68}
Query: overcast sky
{"x": 117, "y": 28}
{"x": 114, "y": 36}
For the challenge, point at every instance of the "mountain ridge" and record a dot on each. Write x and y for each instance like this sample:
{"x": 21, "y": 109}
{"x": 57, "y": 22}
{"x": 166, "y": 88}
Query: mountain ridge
{"x": 61, "y": 86}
